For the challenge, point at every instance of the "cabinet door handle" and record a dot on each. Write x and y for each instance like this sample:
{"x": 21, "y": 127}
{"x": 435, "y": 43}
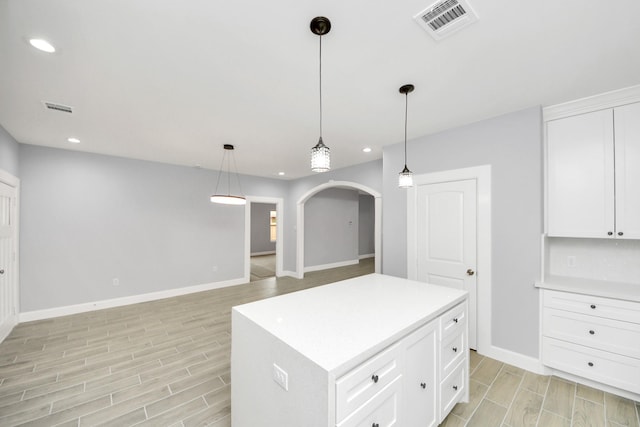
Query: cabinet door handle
{"x": 455, "y": 387}
{"x": 620, "y": 233}
{"x": 610, "y": 233}
{"x": 423, "y": 385}
{"x": 375, "y": 425}
{"x": 374, "y": 378}
{"x": 455, "y": 349}
{"x": 593, "y": 306}
{"x": 590, "y": 363}
{"x": 455, "y": 320}
{"x": 592, "y": 332}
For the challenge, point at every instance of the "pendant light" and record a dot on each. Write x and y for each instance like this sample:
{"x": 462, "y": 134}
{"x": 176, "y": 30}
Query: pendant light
{"x": 405, "y": 178}
{"x": 228, "y": 199}
{"x": 320, "y": 154}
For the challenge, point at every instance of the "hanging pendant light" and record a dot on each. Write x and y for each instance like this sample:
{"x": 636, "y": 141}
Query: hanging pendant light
{"x": 228, "y": 199}
{"x": 405, "y": 178}
{"x": 320, "y": 154}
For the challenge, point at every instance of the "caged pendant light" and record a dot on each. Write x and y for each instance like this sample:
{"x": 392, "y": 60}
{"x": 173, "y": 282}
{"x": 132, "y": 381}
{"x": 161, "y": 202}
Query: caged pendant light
{"x": 228, "y": 199}
{"x": 405, "y": 178}
{"x": 320, "y": 153}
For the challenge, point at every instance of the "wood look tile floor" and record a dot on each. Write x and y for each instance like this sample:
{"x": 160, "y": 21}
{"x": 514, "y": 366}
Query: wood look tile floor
{"x": 166, "y": 363}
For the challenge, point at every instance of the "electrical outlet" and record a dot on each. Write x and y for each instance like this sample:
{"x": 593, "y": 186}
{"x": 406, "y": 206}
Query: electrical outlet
{"x": 214, "y": 268}
{"x": 571, "y": 261}
{"x": 116, "y": 282}
{"x": 281, "y": 377}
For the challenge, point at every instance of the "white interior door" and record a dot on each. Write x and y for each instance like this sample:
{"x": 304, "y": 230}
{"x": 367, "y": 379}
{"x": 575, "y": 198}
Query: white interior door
{"x": 446, "y": 239}
{"x": 8, "y": 264}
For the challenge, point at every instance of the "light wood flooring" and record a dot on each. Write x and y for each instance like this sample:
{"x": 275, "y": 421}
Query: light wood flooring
{"x": 166, "y": 363}
{"x": 262, "y": 267}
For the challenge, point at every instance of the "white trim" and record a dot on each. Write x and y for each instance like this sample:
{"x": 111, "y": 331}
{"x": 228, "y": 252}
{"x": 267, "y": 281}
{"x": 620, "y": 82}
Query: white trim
{"x": 594, "y": 384}
{"x": 289, "y": 273}
{"x": 13, "y": 181}
{"x": 365, "y": 256}
{"x": 615, "y": 98}
{"x": 263, "y": 253}
{"x": 331, "y": 265}
{"x": 118, "y": 302}
{"x": 482, "y": 175}
{"x": 300, "y": 269}
{"x": 527, "y": 363}
{"x": 279, "y": 202}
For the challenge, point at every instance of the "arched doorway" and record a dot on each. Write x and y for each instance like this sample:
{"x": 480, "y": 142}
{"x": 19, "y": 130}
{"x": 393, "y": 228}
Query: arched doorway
{"x": 337, "y": 184}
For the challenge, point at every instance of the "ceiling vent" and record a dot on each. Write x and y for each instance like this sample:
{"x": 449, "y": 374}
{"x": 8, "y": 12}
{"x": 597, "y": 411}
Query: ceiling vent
{"x": 446, "y": 17}
{"x": 58, "y": 107}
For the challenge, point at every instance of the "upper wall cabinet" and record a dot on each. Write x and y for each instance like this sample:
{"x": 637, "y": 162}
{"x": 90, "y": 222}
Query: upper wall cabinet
{"x": 593, "y": 174}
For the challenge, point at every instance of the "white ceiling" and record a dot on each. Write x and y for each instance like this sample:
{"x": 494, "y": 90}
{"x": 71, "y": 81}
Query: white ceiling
{"x": 171, "y": 81}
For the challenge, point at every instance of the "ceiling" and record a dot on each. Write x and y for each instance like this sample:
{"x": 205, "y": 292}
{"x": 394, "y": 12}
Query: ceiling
{"x": 172, "y": 81}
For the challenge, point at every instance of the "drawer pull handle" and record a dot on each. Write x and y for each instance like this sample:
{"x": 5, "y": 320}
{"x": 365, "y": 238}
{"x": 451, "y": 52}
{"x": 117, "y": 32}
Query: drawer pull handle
{"x": 609, "y": 233}
{"x": 455, "y": 349}
{"x": 593, "y": 306}
{"x": 592, "y": 332}
{"x": 455, "y": 320}
{"x": 620, "y": 233}
{"x": 455, "y": 387}
{"x": 423, "y": 385}
{"x": 375, "y": 425}
{"x": 590, "y": 363}
{"x": 374, "y": 378}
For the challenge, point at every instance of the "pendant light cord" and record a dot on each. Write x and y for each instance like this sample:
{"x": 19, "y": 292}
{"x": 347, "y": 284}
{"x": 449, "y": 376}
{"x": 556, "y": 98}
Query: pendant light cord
{"x": 406, "y": 112}
{"x": 320, "y": 86}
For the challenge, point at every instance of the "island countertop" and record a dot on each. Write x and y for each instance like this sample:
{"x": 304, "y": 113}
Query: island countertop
{"x": 337, "y": 325}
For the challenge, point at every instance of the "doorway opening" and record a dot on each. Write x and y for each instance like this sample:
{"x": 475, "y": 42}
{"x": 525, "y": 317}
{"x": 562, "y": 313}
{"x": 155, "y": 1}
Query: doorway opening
{"x": 263, "y": 238}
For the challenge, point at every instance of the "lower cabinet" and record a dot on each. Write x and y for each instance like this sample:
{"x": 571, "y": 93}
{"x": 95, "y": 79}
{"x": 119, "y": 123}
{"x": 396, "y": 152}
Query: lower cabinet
{"x": 415, "y": 382}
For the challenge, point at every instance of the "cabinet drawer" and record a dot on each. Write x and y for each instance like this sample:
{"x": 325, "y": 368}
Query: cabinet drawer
{"x": 598, "y": 332}
{"x": 358, "y": 386}
{"x": 382, "y": 410}
{"x": 607, "y": 368}
{"x": 452, "y": 389}
{"x": 453, "y": 321}
{"x": 627, "y": 311}
{"x": 452, "y": 352}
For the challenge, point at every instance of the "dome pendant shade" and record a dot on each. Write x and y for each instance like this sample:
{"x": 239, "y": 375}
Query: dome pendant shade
{"x": 228, "y": 199}
{"x": 320, "y": 153}
{"x": 405, "y": 178}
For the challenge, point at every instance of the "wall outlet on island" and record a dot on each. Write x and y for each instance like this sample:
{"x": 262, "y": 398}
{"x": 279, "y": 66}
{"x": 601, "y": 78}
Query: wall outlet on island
{"x": 571, "y": 261}
{"x": 116, "y": 282}
{"x": 281, "y": 377}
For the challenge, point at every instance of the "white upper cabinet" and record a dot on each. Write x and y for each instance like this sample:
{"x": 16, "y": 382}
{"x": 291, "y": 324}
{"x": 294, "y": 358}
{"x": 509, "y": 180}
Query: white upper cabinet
{"x": 593, "y": 179}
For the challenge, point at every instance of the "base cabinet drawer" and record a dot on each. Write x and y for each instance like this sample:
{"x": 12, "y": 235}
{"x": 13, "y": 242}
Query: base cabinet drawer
{"x": 608, "y": 368}
{"x": 452, "y": 388}
{"x": 452, "y": 352}
{"x": 626, "y": 311}
{"x": 381, "y": 411}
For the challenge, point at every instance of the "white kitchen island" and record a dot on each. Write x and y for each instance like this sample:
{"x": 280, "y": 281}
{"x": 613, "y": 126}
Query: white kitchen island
{"x": 374, "y": 351}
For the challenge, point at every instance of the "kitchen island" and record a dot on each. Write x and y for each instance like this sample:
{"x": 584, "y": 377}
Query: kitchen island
{"x": 373, "y": 351}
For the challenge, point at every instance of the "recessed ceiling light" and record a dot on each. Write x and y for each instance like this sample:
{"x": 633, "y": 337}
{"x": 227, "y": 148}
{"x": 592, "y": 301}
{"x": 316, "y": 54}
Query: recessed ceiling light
{"x": 42, "y": 45}
{"x": 281, "y": 173}
{"x": 367, "y": 149}
{"x": 73, "y": 140}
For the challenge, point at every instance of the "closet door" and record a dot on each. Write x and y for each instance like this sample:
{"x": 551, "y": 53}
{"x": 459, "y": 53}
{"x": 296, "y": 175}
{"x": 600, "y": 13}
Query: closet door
{"x": 627, "y": 157}
{"x": 580, "y": 176}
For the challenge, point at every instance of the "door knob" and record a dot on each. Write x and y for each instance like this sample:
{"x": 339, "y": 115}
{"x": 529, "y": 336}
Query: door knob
{"x": 470, "y": 272}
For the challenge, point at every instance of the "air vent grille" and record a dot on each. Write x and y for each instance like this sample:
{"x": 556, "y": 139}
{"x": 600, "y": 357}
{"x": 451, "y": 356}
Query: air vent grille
{"x": 446, "y": 17}
{"x": 58, "y": 107}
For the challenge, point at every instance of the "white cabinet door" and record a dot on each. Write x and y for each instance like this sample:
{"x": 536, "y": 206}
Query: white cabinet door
{"x": 627, "y": 158}
{"x": 580, "y": 172}
{"x": 420, "y": 381}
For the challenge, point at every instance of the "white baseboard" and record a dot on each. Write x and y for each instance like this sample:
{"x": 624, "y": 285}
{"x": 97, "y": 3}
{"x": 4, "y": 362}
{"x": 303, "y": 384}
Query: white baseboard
{"x": 527, "y": 363}
{"x": 117, "y": 302}
{"x": 596, "y": 385}
{"x": 366, "y": 256}
{"x": 263, "y": 253}
{"x": 332, "y": 265}
{"x": 289, "y": 274}
{"x": 7, "y": 327}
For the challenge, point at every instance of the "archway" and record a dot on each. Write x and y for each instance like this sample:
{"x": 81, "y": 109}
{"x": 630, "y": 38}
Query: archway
{"x": 337, "y": 184}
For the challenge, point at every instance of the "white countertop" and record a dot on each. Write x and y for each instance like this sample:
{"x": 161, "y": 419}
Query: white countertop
{"x": 333, "y": 324}
{"x": 601, "y": 288}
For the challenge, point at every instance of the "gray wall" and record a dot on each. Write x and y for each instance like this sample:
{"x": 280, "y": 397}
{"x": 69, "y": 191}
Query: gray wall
{"x": 368, "y": 174}
{"x": 260, "y": 228}
{"x": 331, "y": 227}
{"x": 87, "y": 219}
{"x": 366, "y": 225}
{"x": 9, "y": 150}
{"x": 512, "y": 145}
